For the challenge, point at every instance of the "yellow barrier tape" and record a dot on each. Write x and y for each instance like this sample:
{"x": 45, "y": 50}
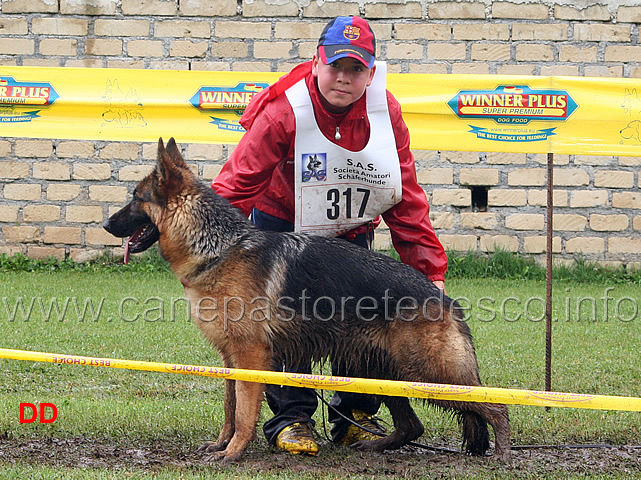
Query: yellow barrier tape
{"x": 348, "y": 384}
{"x": 567, "y": 115}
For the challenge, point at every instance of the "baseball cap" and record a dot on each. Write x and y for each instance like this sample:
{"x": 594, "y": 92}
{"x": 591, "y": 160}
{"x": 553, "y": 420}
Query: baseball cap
{"x": 347, "y": 37}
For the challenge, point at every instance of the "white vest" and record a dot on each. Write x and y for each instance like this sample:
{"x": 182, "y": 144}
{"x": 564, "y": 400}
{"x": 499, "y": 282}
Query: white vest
{"x": 336, "y": 189}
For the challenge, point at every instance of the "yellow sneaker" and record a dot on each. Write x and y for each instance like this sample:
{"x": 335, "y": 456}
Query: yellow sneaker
{"x": 297, "y": 438}
{"x": 355, "y": 434}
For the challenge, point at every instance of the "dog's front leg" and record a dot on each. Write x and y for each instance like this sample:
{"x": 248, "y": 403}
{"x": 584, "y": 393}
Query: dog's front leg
{"x": 229, "y": 427}
{"x": 249, "y": 396}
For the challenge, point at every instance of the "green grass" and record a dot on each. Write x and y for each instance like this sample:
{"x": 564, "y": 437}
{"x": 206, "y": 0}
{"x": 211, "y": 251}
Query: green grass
{"x": 138, "y": 314}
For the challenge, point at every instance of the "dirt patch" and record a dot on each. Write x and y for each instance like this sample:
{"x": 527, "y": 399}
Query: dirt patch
{"x": 332, "y": 462}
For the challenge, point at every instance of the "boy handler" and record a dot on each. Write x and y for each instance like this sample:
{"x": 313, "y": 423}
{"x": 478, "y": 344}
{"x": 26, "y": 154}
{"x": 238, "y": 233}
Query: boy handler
{"x": 327, "y": 152}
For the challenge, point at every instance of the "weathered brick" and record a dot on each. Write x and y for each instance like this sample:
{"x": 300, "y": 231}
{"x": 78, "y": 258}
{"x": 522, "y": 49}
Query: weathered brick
{"x": 22, "y": 191}
{"x": 462, "y": 10}
{"x": 17, "y": 46}
{"x": 270, "y": 8}
{"x": 21, "y": 234}
{"x": 29, "y": 6}
{"x": 209, "y": 8}
{"x": 51, "y": 171}
{"x": 84, "y": 214}
{"x": 298, "y": 30}
{"x": 588, "y": 198}
{"x": 405, "y": 51}
{"x": 585, "y": 245}
{"x": 490, "y": 52}
{"x": 593, "y": 12}
{"x": 629, "y": 14}
{"x": 478, "y": 220}
{"x": 33, "y": 148}
{"x": 446, "y": 51}
{"x": 597, "y": 32}
{"x": 569, "y": 222}
{"x": 593, "y": 160}
{"x": 92, "y": 171}
{"x": 237, "y": 29}
{"x": 630, "y": 161}
{"x": 273, "y": 50}
{"x": 121, "y": 151}
{"x": 492, "y": 243}
{"x": 442, "y": 220}
{"x": 506, "y": 197}
{"x": 626, "y": 200}
{"x": 506, "y": 158}
{"x": 636, "y": 222}
{"x": 459, "y": 243}
{"x": 557, "y": 32}
{"x": 83, "y": 255}
{"x": 63, "y": 191}
{"x": 526, "y": 177}
{"x": 603, "y": 71}
{"x": 13, "y": 26}
{"x": 529, "y": 52}
{"x": 479, "y": 176}
{"x": 41, "y": 213}
{"x": 93, "y": 7}
{"x": 578, "y": 54}
{"x": 75, "y": 148}
{"x": 622, "y": 53}
{"x": 99, "y": 236}
{"x": 182, "y": 29}
{"x": 8, "y": 213}
{"x": 45, "y": 252}
{"x": 121, "y": 28}
{"x": 525, "y": 221}
{"x": 429, "y": 32}
{"x": 199, "y": 151}
{"x": 435, "y": 176}
{"x": 330, "y": 9}
{"x": 614, "y": 179}
{"x": 60, "y": 26}
{"x": 145, "y": 48}
{"x": 520, "y": 11}
{"x": 211, "y": 171}
{"x": 539, "y": 198}
{"x": 514, "y": 69}
{"x": 624, "y": 245}
{"x": 393, "y": 10}
{"x": 570, "y": 177}
{"x": 454, "y": 197}
{"x": 5, "y": 149}
{"x": 480, "y": 31}
{"x": 103, "y": 46}
{"x": 134, "y": 173}
{"x": 538, "y": 244}
{"x": 460, "y": 157}
{"x": 68, "y": 235}
{"x": 14, "y": 170}
{"x": 59, "y": 46}
{"x": 100, "y": 193}
{"x": 551, "y": 70}
{"x": 188, "y": 48}
{"x": 609, "y": 223}
{"x": 476, "y": 68}
{"x": 149, "y": 7}
{"x": 237, "y": 49}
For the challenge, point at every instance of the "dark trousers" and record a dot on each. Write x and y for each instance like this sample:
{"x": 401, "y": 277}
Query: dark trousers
{"x": 293, "y": 404}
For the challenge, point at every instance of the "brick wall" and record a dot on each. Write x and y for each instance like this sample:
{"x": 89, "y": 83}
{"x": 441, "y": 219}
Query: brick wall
{"x": 54, "y": 195}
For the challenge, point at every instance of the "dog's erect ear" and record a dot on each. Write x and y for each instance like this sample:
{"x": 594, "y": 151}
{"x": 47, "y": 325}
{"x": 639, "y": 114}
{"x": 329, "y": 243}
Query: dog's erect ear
{"x": 174, "y": 153}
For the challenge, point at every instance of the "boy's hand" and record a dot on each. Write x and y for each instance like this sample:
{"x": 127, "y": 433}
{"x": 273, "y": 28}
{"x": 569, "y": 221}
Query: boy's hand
{"x": 440, "y": 284}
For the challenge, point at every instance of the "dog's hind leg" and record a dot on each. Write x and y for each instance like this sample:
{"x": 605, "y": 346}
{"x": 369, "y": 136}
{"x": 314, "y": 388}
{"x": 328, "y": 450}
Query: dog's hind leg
{"x": 407, "y": 427}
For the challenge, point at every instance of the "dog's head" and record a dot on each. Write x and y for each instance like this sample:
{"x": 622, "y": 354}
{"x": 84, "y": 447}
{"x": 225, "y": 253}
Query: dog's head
{"x": 141, "y": 218}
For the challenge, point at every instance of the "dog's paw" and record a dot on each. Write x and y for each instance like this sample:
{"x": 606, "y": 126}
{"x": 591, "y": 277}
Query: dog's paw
{"x": 212, "y": 447}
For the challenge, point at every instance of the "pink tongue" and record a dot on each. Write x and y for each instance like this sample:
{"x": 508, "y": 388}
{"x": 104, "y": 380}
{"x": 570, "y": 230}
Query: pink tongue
{"x": 126, "y": 260}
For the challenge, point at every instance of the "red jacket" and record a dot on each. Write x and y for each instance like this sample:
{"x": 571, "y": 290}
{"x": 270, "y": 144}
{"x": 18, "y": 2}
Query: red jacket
{"x": 260, "y": 171}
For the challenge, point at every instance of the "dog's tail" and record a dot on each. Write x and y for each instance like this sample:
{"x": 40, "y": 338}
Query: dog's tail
{"x": 476, "y": 438}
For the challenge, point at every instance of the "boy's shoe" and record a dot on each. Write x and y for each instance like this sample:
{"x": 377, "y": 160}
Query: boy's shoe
{"x": 355, "y": 434}
{"x": 297, "y": 438}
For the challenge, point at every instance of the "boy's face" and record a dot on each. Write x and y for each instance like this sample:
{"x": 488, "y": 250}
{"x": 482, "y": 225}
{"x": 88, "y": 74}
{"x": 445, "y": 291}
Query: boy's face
{"x": 342, "y": 82}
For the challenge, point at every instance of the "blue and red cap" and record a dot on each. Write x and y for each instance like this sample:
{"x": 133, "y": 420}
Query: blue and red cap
{"x": 347, "y": 37}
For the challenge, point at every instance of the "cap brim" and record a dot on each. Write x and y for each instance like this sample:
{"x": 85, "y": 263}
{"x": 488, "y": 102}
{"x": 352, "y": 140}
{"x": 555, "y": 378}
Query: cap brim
{"x": 331, "y": 53}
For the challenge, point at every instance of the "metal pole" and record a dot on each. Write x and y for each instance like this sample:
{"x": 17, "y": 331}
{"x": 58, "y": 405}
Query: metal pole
{"x": 548, "y": 276}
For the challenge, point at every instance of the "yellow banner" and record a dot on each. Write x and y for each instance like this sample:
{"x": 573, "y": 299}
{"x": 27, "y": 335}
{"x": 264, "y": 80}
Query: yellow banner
{"x": 349, "y": 384}
{"x": 568, "y": 115}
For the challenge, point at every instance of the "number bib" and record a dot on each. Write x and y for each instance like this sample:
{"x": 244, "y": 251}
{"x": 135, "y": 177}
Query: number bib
{"x": 336, "y": 189}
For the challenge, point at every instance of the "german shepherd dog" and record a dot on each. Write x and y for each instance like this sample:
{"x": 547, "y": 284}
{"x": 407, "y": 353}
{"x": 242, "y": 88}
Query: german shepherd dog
{"x": 296, "y": 297}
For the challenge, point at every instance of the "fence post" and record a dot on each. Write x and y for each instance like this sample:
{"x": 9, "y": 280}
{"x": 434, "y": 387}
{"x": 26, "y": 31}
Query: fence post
{"x": 548, "y": 275}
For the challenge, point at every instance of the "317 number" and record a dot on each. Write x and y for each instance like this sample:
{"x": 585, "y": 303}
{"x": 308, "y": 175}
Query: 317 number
{"x": 344, "y": 201}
